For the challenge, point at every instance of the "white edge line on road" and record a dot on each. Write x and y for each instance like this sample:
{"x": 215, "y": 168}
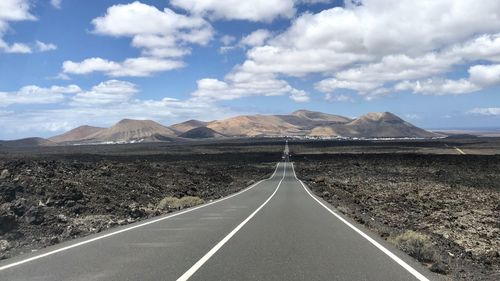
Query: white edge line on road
{"x": 133, "y": 227}
{"x": 402, "y": 263}
{"x": 219, "y": 245}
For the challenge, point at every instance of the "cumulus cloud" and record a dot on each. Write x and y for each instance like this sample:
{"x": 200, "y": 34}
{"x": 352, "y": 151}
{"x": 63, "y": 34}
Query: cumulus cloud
{"x": 56, "y": 3}
{"x": 45, "y": 47}
{"x": 134, "y": 67}
{"x": 256, "y": 38}
{"x": 486, "y": 111}
{"x": 485, "y": 75}
{"x": 12, "y": 11}
{"x": 338, "y": 97}
{"x": 438, "y": 86}
{"x": 332, "y": 84}
{"x": 37, "y": 95}
{"x": 151, "y": 28}
{"x": 364, "y": 47}
{"x": 108, "y": 92}
{"x": 240, "y": 84}
{"x": 227, "y": 39}
{"x": 163, "y": 37}
{"x": 253, "y": 10}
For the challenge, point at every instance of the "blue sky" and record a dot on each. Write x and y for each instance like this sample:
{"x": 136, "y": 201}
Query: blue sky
{"x": 67, "y": 63}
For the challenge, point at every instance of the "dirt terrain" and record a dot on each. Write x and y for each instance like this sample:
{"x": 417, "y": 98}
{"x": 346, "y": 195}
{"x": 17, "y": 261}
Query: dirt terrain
{"x": 452, "y": 200}
{"x": 49, "y": 197}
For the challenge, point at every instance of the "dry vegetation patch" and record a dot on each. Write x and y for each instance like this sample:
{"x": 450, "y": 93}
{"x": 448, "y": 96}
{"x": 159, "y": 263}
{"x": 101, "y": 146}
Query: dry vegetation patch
{"x": 170, "y": 202}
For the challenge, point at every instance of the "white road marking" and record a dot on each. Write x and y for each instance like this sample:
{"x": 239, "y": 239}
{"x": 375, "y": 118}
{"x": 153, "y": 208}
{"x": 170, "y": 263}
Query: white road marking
{"x": 219, "y": 245}
{"x": 132, "y": 227}
{"x": 459, "y": 150}
{"x": 402, "y": 263}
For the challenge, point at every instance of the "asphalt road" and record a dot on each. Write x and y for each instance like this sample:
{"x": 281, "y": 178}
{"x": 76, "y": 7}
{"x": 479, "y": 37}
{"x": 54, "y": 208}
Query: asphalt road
{"x": 273, "y": 230}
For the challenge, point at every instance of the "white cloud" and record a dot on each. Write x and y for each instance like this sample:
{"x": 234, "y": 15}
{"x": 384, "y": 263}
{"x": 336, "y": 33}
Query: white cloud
{"x": 251, "y": 10}
{"x": 364, "y": 46}
{"x": 163, "y": 37}
{"x": 487, "y": 111}
{"x": 315, "y": 1}
{"x": 338, "y": 97}
{"x": 299, "y": 96}
{"x": 256, "y": 38}
{"x": 14, "y": 10}
{"x": 227, "y": 39}
{"x": 151, "y": 28}
{"x": 485, "y": 75}
{"x": 412, "y": 116}
{"x": 134, "y": 67}
{"x": 332, "y": 84}
{"x": 37, "y": 95}
{"x": 438, "y": 86}
{"x": 238, "y": 85}
{"x": 56, "y": 3}
{"x": 45, "y": 47}
{"x": 108, "y": 92}
{"x": 16, "y": 48}
{"x": 483, "y": 47}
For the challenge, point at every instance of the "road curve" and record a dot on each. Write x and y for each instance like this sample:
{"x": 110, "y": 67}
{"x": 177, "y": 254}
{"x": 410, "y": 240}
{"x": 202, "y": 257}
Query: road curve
{"x": 273, "y": 230}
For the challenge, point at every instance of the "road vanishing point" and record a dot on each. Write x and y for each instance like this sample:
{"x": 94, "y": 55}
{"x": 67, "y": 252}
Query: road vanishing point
{"x": 275, "y": 229}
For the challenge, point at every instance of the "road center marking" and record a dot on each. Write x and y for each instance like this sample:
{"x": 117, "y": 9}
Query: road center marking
{"x": 402, "y": 263}
{"x": 132, "y": 227}
{"x": 219, "y": 245}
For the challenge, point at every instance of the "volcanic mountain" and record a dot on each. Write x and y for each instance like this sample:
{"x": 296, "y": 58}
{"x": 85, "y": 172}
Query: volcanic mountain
{"x": 27, "y": 142}
{"x": 386, "y": 124}
{"x": 188, "y": 125}
{"x": 78, "y": 134}
{"x": 321, "y": 117}
{"x": 128, "y": 130}
{"x": 298, "y": 123}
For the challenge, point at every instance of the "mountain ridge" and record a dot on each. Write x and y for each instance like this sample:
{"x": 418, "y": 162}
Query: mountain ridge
{"x": 300, "y": 123}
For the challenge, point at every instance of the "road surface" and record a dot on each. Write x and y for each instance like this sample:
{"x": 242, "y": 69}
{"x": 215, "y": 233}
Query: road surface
{"x": 273, "y": 230}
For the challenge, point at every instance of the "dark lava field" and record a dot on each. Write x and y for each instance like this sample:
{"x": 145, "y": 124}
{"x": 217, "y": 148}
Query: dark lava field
{"x": 452, "y": 199}
{"x": 53, "y": 194}
{"x": 50, "y": 196}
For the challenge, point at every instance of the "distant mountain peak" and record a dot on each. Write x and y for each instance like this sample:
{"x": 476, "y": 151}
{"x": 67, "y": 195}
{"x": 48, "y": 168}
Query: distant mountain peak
{"x": 77, "y": 134}
{"x": 299, "y": 123}
{"x": 380, "y": 116}
{"x": 320, "y": 116}
{"x": 131, "y": 121}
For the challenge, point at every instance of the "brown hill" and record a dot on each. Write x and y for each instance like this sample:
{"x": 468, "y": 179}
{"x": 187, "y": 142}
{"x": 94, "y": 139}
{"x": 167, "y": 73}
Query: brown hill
{"x": 320, "y": 116}
{"x": 255, "y": 125}
{"x": 77, "y": 134}
{"x": 27, "y": 142}
{"x": 299, "y": 123}
{"x": 188, "y": 125}
{"x": 374, "y": 125}
{"x": 128, "y": 130}
{"x": 386, "y": 124}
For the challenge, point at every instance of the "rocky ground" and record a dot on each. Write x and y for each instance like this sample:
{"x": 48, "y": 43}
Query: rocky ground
{"x": 48, "y": 199}
{"x": 454, "y": 200}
